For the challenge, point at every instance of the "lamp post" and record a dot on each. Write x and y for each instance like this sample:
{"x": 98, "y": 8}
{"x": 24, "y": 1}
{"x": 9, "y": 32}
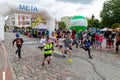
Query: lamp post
{"x": 93, "y": 19}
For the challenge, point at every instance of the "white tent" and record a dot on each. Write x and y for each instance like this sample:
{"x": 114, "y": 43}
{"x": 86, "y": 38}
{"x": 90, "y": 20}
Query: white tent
{"x": 40, "y": 26}
{"x": 105, "y": 29}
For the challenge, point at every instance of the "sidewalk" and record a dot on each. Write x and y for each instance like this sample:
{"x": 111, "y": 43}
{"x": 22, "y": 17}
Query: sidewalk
{"x": 5, "y": 73}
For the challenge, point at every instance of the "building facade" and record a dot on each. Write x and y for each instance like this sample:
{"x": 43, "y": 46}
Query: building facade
{"x": 35, "y": 20}
{"x": 66, "y": 20}
{"x": 18, "y": 20}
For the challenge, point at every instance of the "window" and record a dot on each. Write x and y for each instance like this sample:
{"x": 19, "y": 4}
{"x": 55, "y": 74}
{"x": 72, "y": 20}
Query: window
{"x": 12, "y": 17}
{"x": 18, "y": 22}
{"x": 21, "y": 22}
{"x": 18, "y": 17}
{"x": 23, "y": 18}
{"x": 27, "y": 22}
{"x": 13, "y": 22}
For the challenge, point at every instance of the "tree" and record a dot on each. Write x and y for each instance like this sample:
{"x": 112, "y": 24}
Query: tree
{"x": 115, "y": 25}
{"x": 94, "y": 23}
{"x": 110, "y": 13}
{"x": 90, "y": 22}
{"x": 61, "y": 25}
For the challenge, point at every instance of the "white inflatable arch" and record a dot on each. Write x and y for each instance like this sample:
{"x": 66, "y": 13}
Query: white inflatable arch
{"x": 13, "y": 7}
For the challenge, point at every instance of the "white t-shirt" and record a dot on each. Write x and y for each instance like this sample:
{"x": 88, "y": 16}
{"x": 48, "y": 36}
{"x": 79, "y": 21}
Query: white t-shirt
{"x": 53, "y": 39}
{"x": 84, "y": 36}
{"x": 61, "y": 41}
{"x": 42, "y": 42}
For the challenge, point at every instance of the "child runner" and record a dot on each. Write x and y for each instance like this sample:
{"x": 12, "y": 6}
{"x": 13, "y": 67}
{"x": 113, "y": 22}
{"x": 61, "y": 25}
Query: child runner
{"x": 61, "y": 44}
{"x": 53, "y": 39}
{"x": 47, "y": 51}
{"x": 68, "y": 46}
{"x": 19, "y": 41}
{"x": 80, "y": 36}
{"x": 42, "y": 43}
{"x": 86, "y": 46}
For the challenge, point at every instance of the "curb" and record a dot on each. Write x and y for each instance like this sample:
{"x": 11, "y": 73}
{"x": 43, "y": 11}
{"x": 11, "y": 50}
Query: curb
{"x": 11, "y": 69}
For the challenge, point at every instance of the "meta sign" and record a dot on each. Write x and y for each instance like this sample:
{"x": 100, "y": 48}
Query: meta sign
{"x": 28, "y": 8}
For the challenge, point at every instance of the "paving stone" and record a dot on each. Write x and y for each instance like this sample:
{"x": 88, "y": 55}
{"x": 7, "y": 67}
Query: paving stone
{"x": 21, "y": 78}
{"x": 104, "y": 64}
{"x": 44, "y": 72}
{"x": 68, "y": 78}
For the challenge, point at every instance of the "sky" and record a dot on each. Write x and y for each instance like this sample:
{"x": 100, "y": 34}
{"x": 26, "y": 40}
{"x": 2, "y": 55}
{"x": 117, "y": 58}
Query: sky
{"x": 59, "y": 8}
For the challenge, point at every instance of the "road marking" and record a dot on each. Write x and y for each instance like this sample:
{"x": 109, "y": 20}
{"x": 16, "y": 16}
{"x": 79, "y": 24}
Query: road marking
{"x": 5, "y": 61}
{"x": 3, "y": 76}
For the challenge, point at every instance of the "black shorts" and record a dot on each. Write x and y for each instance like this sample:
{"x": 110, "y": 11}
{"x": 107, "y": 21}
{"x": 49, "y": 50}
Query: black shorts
{"x": 47, "y": 55}
{"x": 60, "y": 46}
{"x": 80, "y": 38}
{"x": 70, "y": 48}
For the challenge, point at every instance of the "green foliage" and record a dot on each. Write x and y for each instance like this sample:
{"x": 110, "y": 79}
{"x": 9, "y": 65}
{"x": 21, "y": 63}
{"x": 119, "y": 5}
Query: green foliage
{"x": 61, "y": 25}
{"x": 90, "y": 22}
{"x": 110, "y": 13}
{"x": 29, "y": 27}
{"x": 16, "y": 27}
{"x": 94, "y": 23}
{"x": 115, "y": 25}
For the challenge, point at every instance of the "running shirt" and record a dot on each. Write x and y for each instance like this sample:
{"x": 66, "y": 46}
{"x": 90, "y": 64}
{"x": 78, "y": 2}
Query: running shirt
{"x": 67, "y": 42}
{"x": 18, "y": 41}
{"x": 87, "y": 43}
{"x": 42, "y": 42}
{"x": 53, "y": 39}
{"x": 84, "y": 36}
{"x": 61, "y": 41}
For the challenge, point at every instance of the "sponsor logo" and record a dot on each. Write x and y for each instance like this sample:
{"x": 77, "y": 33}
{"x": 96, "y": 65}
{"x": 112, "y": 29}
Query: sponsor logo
{"x": 28, "y": 8}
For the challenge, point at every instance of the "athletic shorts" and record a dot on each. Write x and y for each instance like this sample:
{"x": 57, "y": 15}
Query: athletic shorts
{"x": 80, "y": 38}
{"x": 47, "y": 55}
{"x": 60, "y": 46}
{"x": 68, "y": 48}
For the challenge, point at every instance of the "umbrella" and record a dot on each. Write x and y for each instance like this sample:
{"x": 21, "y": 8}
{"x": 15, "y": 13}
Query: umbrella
{"x": 105, "y": 29}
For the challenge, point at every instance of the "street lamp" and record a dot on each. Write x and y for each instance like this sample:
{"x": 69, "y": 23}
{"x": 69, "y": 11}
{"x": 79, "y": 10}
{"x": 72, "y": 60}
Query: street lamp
{"x": 93, "y": 17}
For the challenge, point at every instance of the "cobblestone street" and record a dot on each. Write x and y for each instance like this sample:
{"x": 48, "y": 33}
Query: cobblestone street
{"x": 105, "y": 65}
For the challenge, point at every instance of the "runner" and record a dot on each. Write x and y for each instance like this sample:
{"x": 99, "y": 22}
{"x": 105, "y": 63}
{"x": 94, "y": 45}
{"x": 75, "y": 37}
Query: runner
{"x": 53, "y": 38}
{"x": 61, "y": 44}
{"x": 86, "y": 46}
{"x": 42, "y": 43}
{"x": 19, "y": 41}
{"x": 68, "y": 46}
{"x": 80, "y": 36}
{"x": 47, "y": 51}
